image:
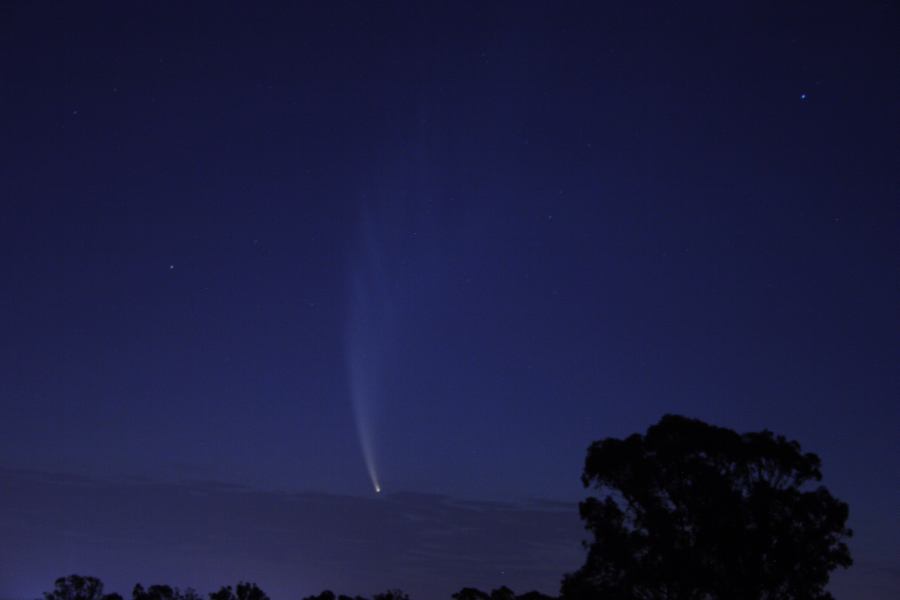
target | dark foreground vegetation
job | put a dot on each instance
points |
(687, 511)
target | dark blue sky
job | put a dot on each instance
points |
(528, 226)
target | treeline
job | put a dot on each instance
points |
(687, 510)
(501, 593)
(78, 587)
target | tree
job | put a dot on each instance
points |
(329, 595)
(78, 587)
(154, 592)
(163, 592)
(691, 511)
(469, 593)
(534, 595)
(503, 593)
(325, 595)
(243, 591)
(392, 595)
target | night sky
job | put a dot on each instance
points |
(252, 253)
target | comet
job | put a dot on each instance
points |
(361, 384)
(370, 327)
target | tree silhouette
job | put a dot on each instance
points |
(154, 592)
(388, 595)
(690, 511)
(78, 587)
(243, 591)
(392, 595)
(534, 596)
(162, 592)
(469, 593)
(325, 595)
(501, 593)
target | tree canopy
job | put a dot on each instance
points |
(163, 592)
(78, 587)
(242, 591)
(690, 511)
